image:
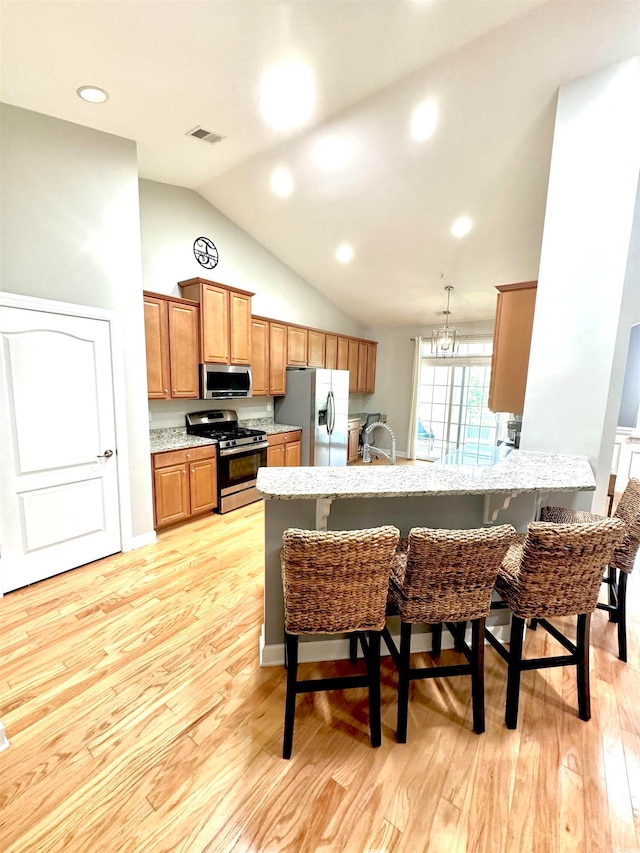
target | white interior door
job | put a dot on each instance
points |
(58, 482)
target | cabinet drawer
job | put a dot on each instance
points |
(180, 457)
(284, 437)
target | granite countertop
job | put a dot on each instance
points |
(176, 438)
(521, 471)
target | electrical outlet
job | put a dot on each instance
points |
(269, 407)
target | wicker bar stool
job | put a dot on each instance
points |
(621, 564)
(556, 571)
(336, 582)
(445, 577)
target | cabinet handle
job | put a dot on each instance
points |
(166, 390)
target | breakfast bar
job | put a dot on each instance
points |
(511, 490)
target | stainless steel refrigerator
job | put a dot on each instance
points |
(318, 401)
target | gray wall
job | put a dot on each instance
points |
(69, 221)
(628, 416)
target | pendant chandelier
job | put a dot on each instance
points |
(444, 341)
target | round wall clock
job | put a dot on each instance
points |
(205, 252)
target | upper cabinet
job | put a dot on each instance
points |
(297, 342)
(268, 357)
(511, 345)
(171, 334)
(225, 321)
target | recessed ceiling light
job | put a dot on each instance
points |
(287, 95)
(281, 181)
(92, 94)
(461, 226)
(344, 253)
(332, 153)
(423, 120)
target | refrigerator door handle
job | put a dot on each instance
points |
(331, 413)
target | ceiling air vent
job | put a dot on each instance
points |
(206, 135)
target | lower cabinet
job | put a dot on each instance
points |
(353, 439)
(184, 483)
(284, 449)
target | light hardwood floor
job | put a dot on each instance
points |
(140, 721)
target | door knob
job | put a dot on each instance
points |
(106, 455)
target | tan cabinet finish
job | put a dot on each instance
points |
(343, 354)
(225, 320)
(284, 449)
(297, 341)
(184, 483)
(171, 334)
(268, 357)
(511, 345)
(370, 382)
(331, 351)
(353, 438)
(316, 348)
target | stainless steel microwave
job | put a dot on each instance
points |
(224, 381)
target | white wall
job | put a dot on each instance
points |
(69, 223)
(171, 218)
(588, 291)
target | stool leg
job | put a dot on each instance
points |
(458, 639)
(622, 616)
(582, 643)
(477, 674)
(403, 681)
(514, 670)
(373, 671)
(613, 592)
(436, 639)
(291, 641)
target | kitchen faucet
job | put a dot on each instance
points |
(367, 448)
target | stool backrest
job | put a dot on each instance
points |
(450, 574)
(336, 581)
(629, 511)
(561, 567)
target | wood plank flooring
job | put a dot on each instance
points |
(140, 721)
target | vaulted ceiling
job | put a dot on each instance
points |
(491, 68)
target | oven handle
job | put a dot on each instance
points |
(245, 448)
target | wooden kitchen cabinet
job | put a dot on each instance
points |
(171, 336)
(225, 321)
(511, 345)
(372, 354)
(353, 439)
(297, 342)
(331, 351)
(268, 357)
(184, 483)
(316, 342)
(342, 362)
(284, 449)
(361, 364)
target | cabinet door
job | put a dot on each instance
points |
(370, 384)
(363, 349)
(511, 344)
(214, 305)
(277, 359)
(316, 344)
(354, 346)
(260, 357)
(183, 349)
(297, 346)
(343, 354)
(352, 446)
(171, 493)
(275, 456)
(331, 351)
(156, 331)
(239, 328)
(202, 485)
(292, 453)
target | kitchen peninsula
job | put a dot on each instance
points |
(430, 495)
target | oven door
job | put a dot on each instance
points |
(237, 472)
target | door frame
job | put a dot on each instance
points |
(50, 306)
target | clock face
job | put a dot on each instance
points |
(205, 253)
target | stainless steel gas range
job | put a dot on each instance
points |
(241, 452)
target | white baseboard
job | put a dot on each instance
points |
(338, 649)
